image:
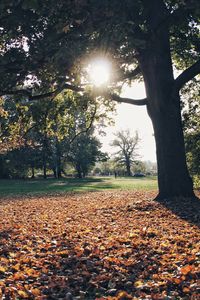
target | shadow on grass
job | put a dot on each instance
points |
(50, 186)
(38, 186)
(9, 188)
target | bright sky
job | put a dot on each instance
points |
(128, 116)
(133, 118)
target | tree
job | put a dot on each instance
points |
(84, 152)
(127, 146)
(192, 142)
(19, 162)
(140, 167)
(191, 122)
(142, 44)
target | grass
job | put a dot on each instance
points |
(50, 186)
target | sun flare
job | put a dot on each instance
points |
(99, 72)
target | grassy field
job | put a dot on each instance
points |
(49, 186)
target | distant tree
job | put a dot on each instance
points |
(128, 146)
(84, 153)
(150, 167)
(21, 162)
(139, 167)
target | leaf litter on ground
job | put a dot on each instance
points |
(99, 245)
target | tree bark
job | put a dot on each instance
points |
(164, 111)
(78, 169)
(173, 176)
(32, 171)
(58, 154)
(54, 173)
(128, 167)
(164, 108)
(44, 158)
(44, 166)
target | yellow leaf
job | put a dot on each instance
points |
(23, 294)
(35, 292)
(2, 269)
(138, 284)
(124, 295)
(31, 272)
(12, 254)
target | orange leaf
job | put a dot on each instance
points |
(18, 276)
(35, 292)
(16, 267)
(186, 269)
(186, 289)
(177, 280)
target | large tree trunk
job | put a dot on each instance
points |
(173, 176)
(164, 108)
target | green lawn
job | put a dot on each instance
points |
(49, 186)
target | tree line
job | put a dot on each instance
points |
(49, 135)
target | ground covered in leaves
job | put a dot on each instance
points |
(103, 245)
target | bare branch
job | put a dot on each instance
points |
(138, 102)
(186, 76)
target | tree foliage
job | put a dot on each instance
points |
(84, 152)
(40, 134)
(191, 122)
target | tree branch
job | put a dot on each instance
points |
(177, 15)
(16, 92)
(131, 74)
(139, 102)
(186, 76)
(28, 92)
(87, 128)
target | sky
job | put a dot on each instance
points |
(133, 118)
